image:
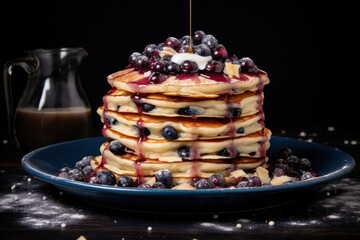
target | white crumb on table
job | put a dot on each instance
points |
(331, 128)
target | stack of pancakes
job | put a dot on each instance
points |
(193, 124)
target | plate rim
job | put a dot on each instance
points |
(28, 165)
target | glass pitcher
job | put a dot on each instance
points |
(53, 106)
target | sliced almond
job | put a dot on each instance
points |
(167, 51)
(280, 180)
(151, 181)
(263, 174)
(184, 186)
(232, 69)
(238, 173)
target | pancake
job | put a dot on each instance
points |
(183, 172)
(184, 128)
(252, 145)
(164, 105)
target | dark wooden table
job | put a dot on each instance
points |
(32, 209)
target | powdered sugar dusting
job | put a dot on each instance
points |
(35, 211)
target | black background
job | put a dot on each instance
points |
(308, 48)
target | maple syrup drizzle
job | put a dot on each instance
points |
(190, 26)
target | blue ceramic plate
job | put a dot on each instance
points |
(330, 163)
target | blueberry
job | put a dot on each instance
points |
(278, 171)
(185, 40)
(217, 181)
(95, 180)
(233, 59)
(285, 152)
(87, 171)
(187, 111)
(157, 77)
(116, 147)
(293, 162)
(202, 50)
(75, 174)
(184, 49)
(202, 184)
(146, 107)
(235, 112)
(64, 169)
(159, 185)
(111, 121)
(160, 46)
(247, 65)
(173, 43)
(169, 133)
(141, 62)
(149, 49)
(146, 131)
(224, 152)
(240, 130)
(189, 66)
(243, 183)
(132, 58)
(214, 66)
(254, 181)
(305, 164)
(106, 177)
(125, 181)
(184, 151)
(305, 175)
(220, 52)
(85, 161)
(159, 66)
(144, 185)
(164, 176)
(280, 161)
(173, 68)
(64, 175)
(210, 41)
(198, 36)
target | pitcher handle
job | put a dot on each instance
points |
(28, 64)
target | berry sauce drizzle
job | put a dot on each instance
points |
(260, 101)
(137, 98)
(106, 125)
(232, 130)
(217, 77)
(194, 154)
